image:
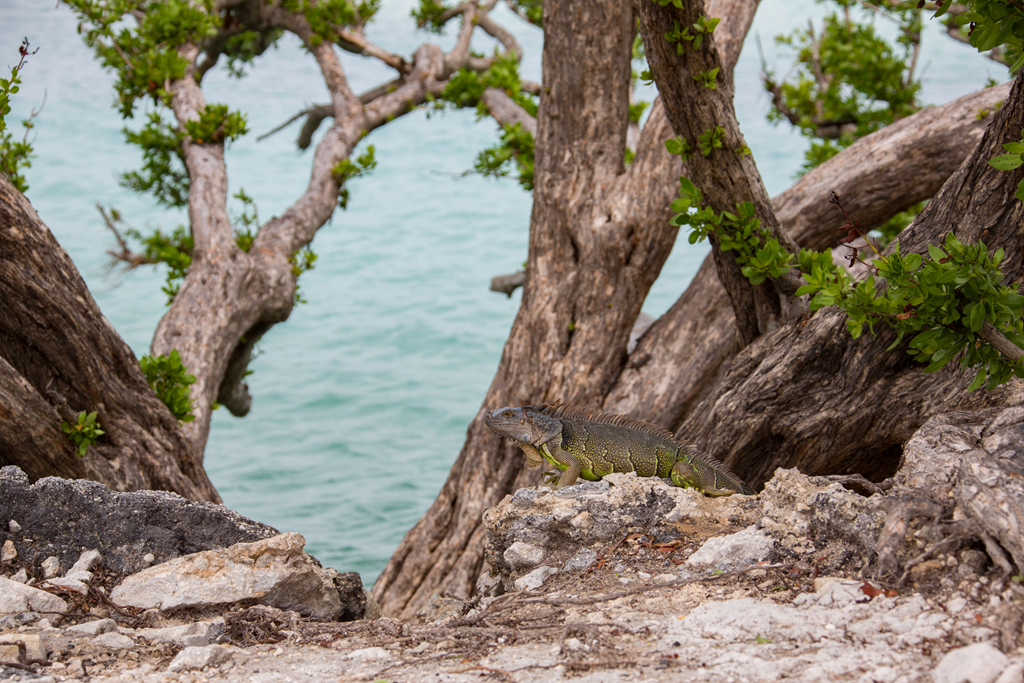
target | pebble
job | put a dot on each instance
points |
(93, 628)
(194, 658)
(978, 663)
(8, 552)
(50, 567)
(13, 526)
(113, 640)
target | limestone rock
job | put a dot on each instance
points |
(540, 527)
(64, 516)
(8, 552)
(580, 561)
(734, 551)
(990, 481)
(369, 654)
(372, 610)
(440, 609)
(931, 459)
(34, 648)
(196, 634)
(810, 514)
(194, 658)
(978, 663)
(50, 567)
(272, 572)
(16, 598)
(113, 640)
(93, 628)
(535, 579)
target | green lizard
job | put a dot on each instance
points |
(591, 445)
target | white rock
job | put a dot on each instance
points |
(520, 555)
(113, 640)
(13, 526)
(534, 579)
(583, 558)
(8, 552)
(76, 668)
(198, 634)
(273, 571)
(87, 561)
(21, 576)
(369, 654)
(955, 605)
(34, 648)
(71, 584)
(978, 663)
(193, 658)
(51, 567)
(16, 598)
(93, 628)
(741, 549)
(1012, 674)
(79, 575)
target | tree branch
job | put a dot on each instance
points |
(506, 112)
(724, 176)
(358, 44)
(131, 258)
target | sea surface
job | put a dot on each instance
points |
(362, 398)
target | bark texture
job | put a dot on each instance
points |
(60, 356)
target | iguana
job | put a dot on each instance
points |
(591, 445)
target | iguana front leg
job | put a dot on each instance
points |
(553, 452)
(533, 456)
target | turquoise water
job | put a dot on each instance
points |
(362, 398)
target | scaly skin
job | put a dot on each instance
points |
(593, 445)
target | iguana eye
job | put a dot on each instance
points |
(508, 413)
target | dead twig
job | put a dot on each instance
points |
(480, 667)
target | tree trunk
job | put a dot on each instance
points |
(687, 350)
(59, 356)
(809, 396)
(595, 273)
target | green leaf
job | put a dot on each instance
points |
(1006, 162)
(979, 379)
(977, 316)
(1014, 147)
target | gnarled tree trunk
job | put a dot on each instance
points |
(810, 396)
(569, 339)
(60, 356)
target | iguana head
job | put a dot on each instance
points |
(523, 425)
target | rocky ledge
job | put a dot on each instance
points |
(628, 578)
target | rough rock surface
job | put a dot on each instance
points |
(535, 527)
(16, 598)
(59, 517)
(274, 572)
(990, 482)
